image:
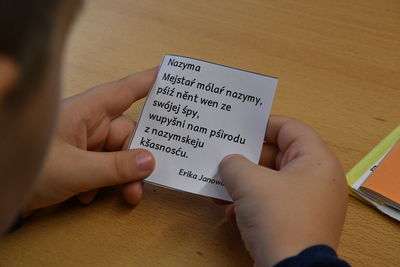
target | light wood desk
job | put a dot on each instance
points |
(338, 64)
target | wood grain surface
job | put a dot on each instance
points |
(339, 68)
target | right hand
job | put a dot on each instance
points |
(297, 200)
(89, 149)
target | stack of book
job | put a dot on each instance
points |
(376, 178)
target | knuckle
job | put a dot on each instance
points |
(124, 168)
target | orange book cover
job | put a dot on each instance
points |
(385, 180)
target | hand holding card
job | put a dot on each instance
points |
(197, 113)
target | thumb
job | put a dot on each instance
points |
(237, 173)
(99, 169)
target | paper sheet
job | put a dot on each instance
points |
(385, 180)
(198, 112)
(363, 166)
(395, 214)
(362, 170)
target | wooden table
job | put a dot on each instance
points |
(338, 64)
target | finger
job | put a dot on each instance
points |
(237, 173)
(119, 135)
(278, 162)
(90, 170)
(284, 131)
(230, 213)
(268, 155)
(133, 192)
(118, 96)
(87, 197)
(275, 123)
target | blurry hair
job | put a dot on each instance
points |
(26, 28)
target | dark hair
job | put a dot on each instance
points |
(25, 34)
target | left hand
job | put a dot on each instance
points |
(296, 201)
(85, 152)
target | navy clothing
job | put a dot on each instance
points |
(315, 256)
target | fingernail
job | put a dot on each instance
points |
(144, 161)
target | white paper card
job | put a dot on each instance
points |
(198, 112)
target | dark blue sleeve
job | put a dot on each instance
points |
(315, 256)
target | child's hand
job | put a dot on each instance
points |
(85, 152)
(297, 201)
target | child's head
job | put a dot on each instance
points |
(32, 35)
